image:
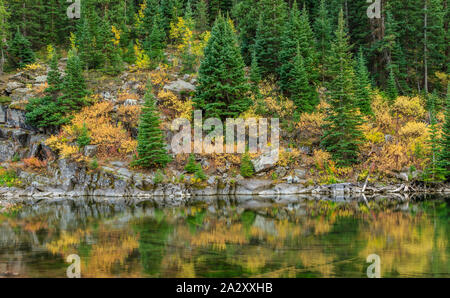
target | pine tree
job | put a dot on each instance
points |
(222, 87)
(4, 27)
(201, 19)
(322, 29)
(151, 148)
(20, 51)
(245, 13)
(362, 85)
(191, 165)
(155, 43)
(45, 112)
(391, 89)
(304, 94)
(189, 15)
(255, 75)
(444, 156)
(74, 88)
(268, 35)
(247, 169)
(289, 45)
(342, 132)
(83, 138)
(307, 42)
(216, 6)
(433, 172)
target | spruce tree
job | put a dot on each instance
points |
(201, 16)
(191, 165)
(342, 133)
(245, 13)
(391, 88)
(322, 29)
(74, 90)
(4, 28)
(433, 172)
(151, 150)
(304, 94)
(362, 85)
(268, 35)
(247, 169)
(45, 112)
(307, 42)
(444, 156)
(20, 51)
(222, 87)
(289, 42)
(255, 75)
(155, 43)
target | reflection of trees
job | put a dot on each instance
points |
(407, 245)
(309, 238)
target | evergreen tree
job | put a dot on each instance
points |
(20, 51)
(216, 6)
(391, 90)
(444, 156)
(322, 29)
(45, 112)
(268, 35)
(222, 87)
(247, 169)
(342, 132)
(307, 42)
(433, 172)
(74, 90)
(111, 49)
(290, 40)
(255, 75)
(83, 138)
(362, 85)
(304, 94)
(155, 43)
(151, 148)
(191, 165)
(245, 13)
(201, 19)
(4, 27)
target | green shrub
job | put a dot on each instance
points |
(191, 166)
(159, 177)
(247, 169)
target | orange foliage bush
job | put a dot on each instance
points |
(129, 115)
(34, 163)
(111, 138)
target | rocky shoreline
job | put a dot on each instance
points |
(70, 179)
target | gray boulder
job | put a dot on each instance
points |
(266, 161)
(179, 86)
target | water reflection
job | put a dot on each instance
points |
(227, 237)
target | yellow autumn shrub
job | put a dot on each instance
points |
(181, 109)
(129, 115)
(413, 129)
(409, 107)
(288, 157)
(110, 137)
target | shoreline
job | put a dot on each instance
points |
(263, 189)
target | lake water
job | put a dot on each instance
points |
(227, 237)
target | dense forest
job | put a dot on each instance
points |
(364, 95)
